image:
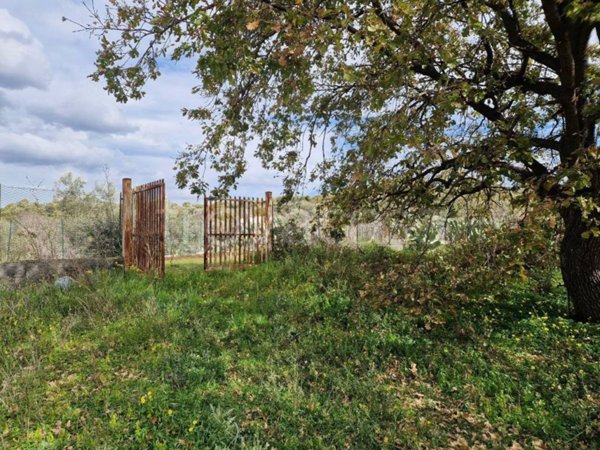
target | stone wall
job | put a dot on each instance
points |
(16, 273)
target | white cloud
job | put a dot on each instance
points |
(73, 125)
(22, 59)
(57, 148)
(77, 106)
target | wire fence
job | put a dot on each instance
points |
(38, 223)
(301, 220)
(68, 223)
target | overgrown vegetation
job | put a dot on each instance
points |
(298, 353)
(386, 106)
(65, 222)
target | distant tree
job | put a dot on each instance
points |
(424, 101)
(105, 192)
(69, 192)
(97, 228)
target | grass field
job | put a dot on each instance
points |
(283, 356)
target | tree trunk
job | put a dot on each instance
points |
(580, 266)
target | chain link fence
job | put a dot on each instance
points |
(40, 224)
(300, 220)
(67, 222)
(184, 229)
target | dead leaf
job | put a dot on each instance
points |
(460, 443)
(252, 25)
(413, 369)
(57, 429)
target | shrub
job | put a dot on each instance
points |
(104, 237)
(288, 237)
(485, 262)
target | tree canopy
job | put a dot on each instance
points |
(434, 99)
(403, 103)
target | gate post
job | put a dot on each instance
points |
(205, 234)
(268, 222)
(127, 223)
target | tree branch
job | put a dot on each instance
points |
(517, 41)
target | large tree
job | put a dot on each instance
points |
(406, 103)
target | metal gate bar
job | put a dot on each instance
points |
(143, 225)
(237, 231)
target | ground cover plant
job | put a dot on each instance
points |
(295, 353)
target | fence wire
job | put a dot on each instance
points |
(43, 224)
(184, 229)
(38, 223)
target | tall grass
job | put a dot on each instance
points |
(291, 354)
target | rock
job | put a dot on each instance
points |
(17, 273)
(64, 283)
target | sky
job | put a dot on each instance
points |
(54, 120)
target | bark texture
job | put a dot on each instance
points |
(580, 266)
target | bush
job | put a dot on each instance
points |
(288, 238)
(104, 237)
(481, 264)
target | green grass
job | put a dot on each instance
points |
(284, 356)
(185, 261)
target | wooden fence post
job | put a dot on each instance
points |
(205, 232)
(268, 222)
(127, 223)
(163, 231)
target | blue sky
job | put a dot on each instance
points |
(53, 119)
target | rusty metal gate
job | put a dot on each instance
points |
(237, 231)
(143, 226)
